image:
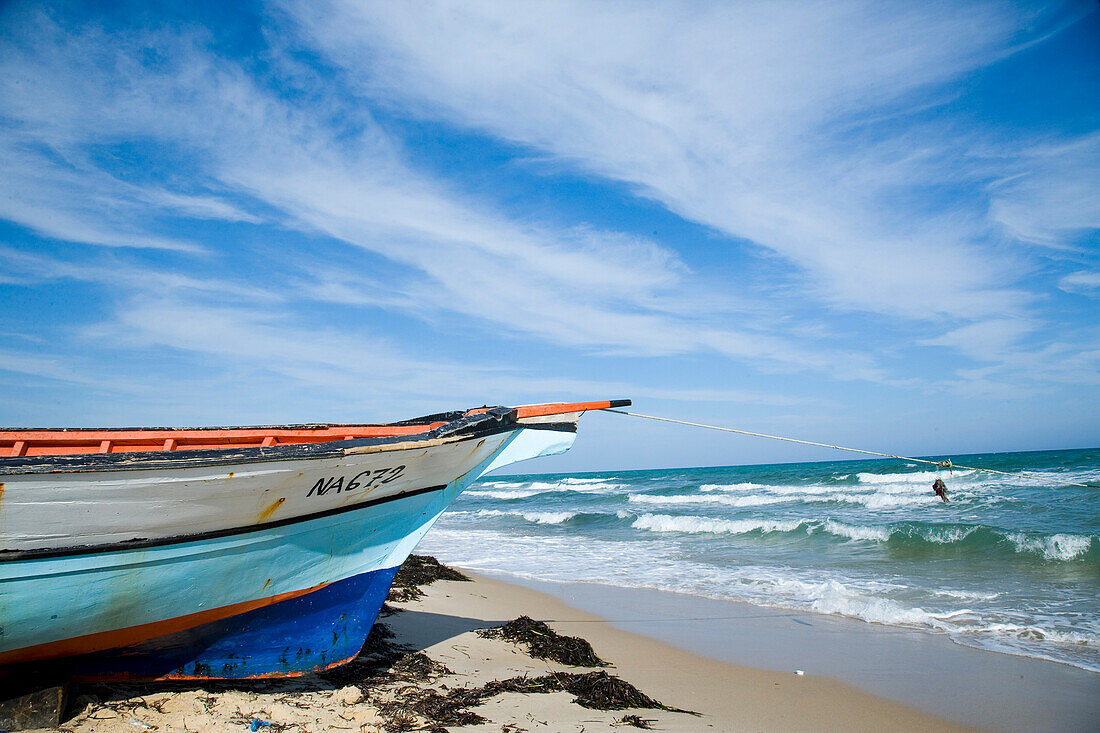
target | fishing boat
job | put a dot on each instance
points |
(230, 553)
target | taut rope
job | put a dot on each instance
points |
(939, 464)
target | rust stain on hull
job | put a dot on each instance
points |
(266, 513)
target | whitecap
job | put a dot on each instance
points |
(695, 525)
(1053, 547)
(750, 500)
(915, 477)
(519, 494)
(534, 517)
(879, 534)
(732, 487)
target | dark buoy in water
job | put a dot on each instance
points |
(940, 488)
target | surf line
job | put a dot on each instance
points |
(939, 464)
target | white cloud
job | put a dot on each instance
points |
(56, 367)
(362, 366)
(990, 340)
(788, 124)
(1082, 282)
(76, 206)
(1054, 193)
(326, 167)
(126, 278)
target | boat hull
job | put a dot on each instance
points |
(311, 632)
(278, 598)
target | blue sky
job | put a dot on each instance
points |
(860, 222)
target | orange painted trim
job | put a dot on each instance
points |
(19, 443)
(121, 638)
(266, 676)
(551, 408)
(560, 409)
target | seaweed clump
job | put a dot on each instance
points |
(416, 571)
(592, 690)
(418, 666)
(595, 690)
(451, 708)
(602, 691)
(542, 642)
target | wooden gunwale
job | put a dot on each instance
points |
(33, 442)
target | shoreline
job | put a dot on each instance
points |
(968, 685)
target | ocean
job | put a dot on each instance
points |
(1009, 564)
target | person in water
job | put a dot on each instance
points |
(940, 488)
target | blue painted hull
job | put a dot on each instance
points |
(308, 633)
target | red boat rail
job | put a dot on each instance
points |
(26, 443)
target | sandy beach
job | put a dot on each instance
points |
(726, 696)
(430, 669)
(971, 686)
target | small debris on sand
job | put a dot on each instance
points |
(349, 695)
(544, 643)
(636, 721)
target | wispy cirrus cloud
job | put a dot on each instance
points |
(1054, 193)
(1082, 281)
(820, 132)
(343, 176)
(790, 125)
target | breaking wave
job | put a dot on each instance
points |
(513, 494)
(526, 489)
(667, 523)
(723, 500)
(533, 517)
(904, 537)
(914, 477)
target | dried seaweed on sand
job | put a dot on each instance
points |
(419, 570)
(542, 642)
(593, 690)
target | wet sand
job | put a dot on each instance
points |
(972, 686)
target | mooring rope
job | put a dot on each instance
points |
(939, 464)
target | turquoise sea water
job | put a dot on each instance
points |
(1009, 564)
